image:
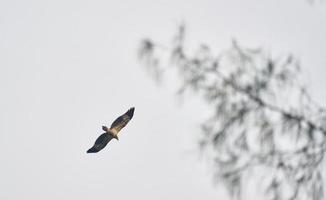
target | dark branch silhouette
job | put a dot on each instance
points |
(264, 118)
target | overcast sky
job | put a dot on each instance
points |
(67, 67)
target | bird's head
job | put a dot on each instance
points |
(104, 128)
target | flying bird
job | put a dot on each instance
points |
(111, 133)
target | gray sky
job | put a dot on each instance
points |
(68, 67)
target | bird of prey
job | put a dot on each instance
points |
(111, 133)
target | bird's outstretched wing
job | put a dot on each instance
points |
(122, 121)
(100, 143)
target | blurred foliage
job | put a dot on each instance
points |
(263, 117)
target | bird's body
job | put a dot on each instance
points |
(111, 132)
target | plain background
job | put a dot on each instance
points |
(69, 67)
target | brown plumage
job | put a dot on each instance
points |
(111, 133)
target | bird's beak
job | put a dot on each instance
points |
(117, 138)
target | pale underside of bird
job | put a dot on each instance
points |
(112, 132)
